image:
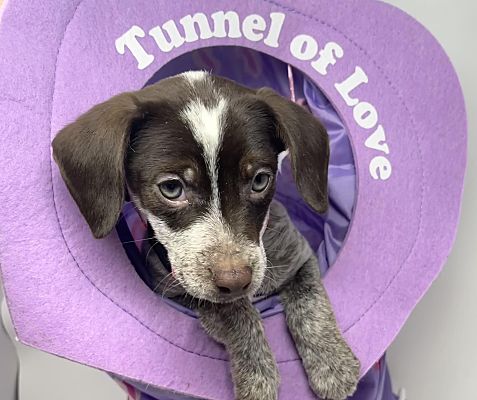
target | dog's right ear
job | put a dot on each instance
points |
(90, 153)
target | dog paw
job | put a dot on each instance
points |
(259, 385)
(335, 378)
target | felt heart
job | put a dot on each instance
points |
(388, 79)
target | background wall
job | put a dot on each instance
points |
(433, 357)
(8, 362)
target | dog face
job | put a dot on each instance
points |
(199, 156)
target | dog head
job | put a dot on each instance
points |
(199, 156)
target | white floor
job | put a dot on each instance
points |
(46, 377)
(434, 356)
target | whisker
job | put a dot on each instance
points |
(121, 217)
(172, 287)
(139, 240)
(271, 279)
(162, 280)
(126, 214)
(149, 251)
(273, 251)
(192, 300)
(276, 266)
(272, 266)
(274, 230)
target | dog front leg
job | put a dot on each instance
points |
(332, 368)
(239, 327)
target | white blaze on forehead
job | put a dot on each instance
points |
(194, 76)
(206, 123)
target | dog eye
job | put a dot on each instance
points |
(260, 182)
(172, 189)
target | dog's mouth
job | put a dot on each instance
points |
(199, 278)
(210, 292)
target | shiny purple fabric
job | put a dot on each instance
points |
(375, 385)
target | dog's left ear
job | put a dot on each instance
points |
(307, 142)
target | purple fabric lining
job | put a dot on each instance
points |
(375, 385)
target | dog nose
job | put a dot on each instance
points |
(232, 279)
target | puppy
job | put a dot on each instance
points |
(198, 154)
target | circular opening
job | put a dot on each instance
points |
(325, 233)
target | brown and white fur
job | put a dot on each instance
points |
(199, 156)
